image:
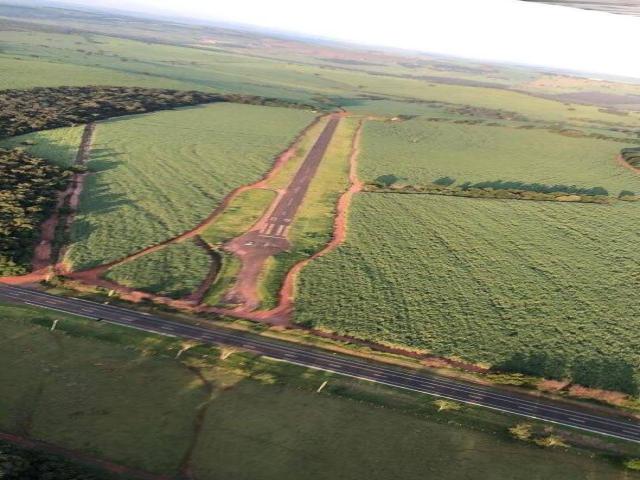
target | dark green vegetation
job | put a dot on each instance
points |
(632, 156)
(24, 111)
(123, 395)
(487, 281)
(498, 189)
(28, 188)
(21, 464)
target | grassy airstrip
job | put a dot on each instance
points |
(159, 175)
(122, 395)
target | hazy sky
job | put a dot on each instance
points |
(504, 30)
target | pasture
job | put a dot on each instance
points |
(122, 395)
(420, 152)
(482, 280)
(159, 175)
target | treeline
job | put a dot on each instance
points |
(500, 189)
(631, 156)
(21, 464)
(603, 373)
(28, 187)
(44, 108)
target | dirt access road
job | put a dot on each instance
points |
(269, 234)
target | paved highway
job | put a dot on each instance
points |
(498, 399)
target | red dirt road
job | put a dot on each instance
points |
(42, 263)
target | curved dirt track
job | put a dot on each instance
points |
(622, 162)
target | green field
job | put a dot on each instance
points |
(121, 395)
(175, 270)
(59, 146)
(482, 279)
(161, 174)
(419, 151)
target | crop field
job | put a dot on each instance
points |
(482, 279)
(122, 395)
(59, 146)
(174, 271)
(419, 151)
(161, 174)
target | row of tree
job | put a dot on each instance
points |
(44, 108)
(28, 187)
(596, 372)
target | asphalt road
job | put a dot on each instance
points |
(497, 399)
(286, 208)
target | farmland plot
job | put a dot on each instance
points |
(482, 279)
(175, 270)
(419, 151)
(161, 174)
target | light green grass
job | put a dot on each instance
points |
(243, 211)
(59, 146)
(482, 279)
(421, 152)
(174, 271)
(312, 226)
(121, 395)
(160, 174)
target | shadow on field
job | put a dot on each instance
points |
(587, 370)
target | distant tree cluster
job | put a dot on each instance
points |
(20, 464)
(28, 187)
(24, 111)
